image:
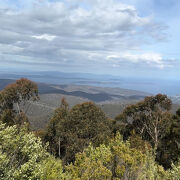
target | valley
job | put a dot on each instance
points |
(111, 100)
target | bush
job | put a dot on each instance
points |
(21, 154)
(115, 161)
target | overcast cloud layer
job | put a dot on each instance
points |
(103, 35)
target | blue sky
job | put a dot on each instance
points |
(138, 38)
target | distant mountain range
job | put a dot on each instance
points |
(90, 93)
(152, 86)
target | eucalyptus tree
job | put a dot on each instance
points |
(13, 99)
(149, 118)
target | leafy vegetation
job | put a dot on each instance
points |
(141, 143)
(70, 131)
(20, 154)
(13, 97)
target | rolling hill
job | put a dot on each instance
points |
(111, 100)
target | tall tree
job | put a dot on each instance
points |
(169, 150)
(72, 130)
(149, 118)
(54, 132)
(13, 98)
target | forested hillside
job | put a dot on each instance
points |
(81, 142)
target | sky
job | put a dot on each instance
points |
(134, 38)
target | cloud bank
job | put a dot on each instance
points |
(77, 34)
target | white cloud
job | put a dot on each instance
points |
(44, 36)
(93, 31)
(153, 59)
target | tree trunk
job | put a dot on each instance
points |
(114, 168)
(18, 108)
(156, 139)
(59, 147)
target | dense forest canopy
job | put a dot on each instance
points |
(142, 142)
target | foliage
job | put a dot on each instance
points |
(55, 131)
(149, 118)
(174, 173)
(70, 132)
(89, 122)
(13, 97)
(87, 139)
(114, 161)
(91, 164)
(53, 170)
(20, 91)
(20, 154)
(169, 149)
(139, 144)
(23, 157)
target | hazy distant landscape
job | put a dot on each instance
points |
(151, 86)
(111, 100)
